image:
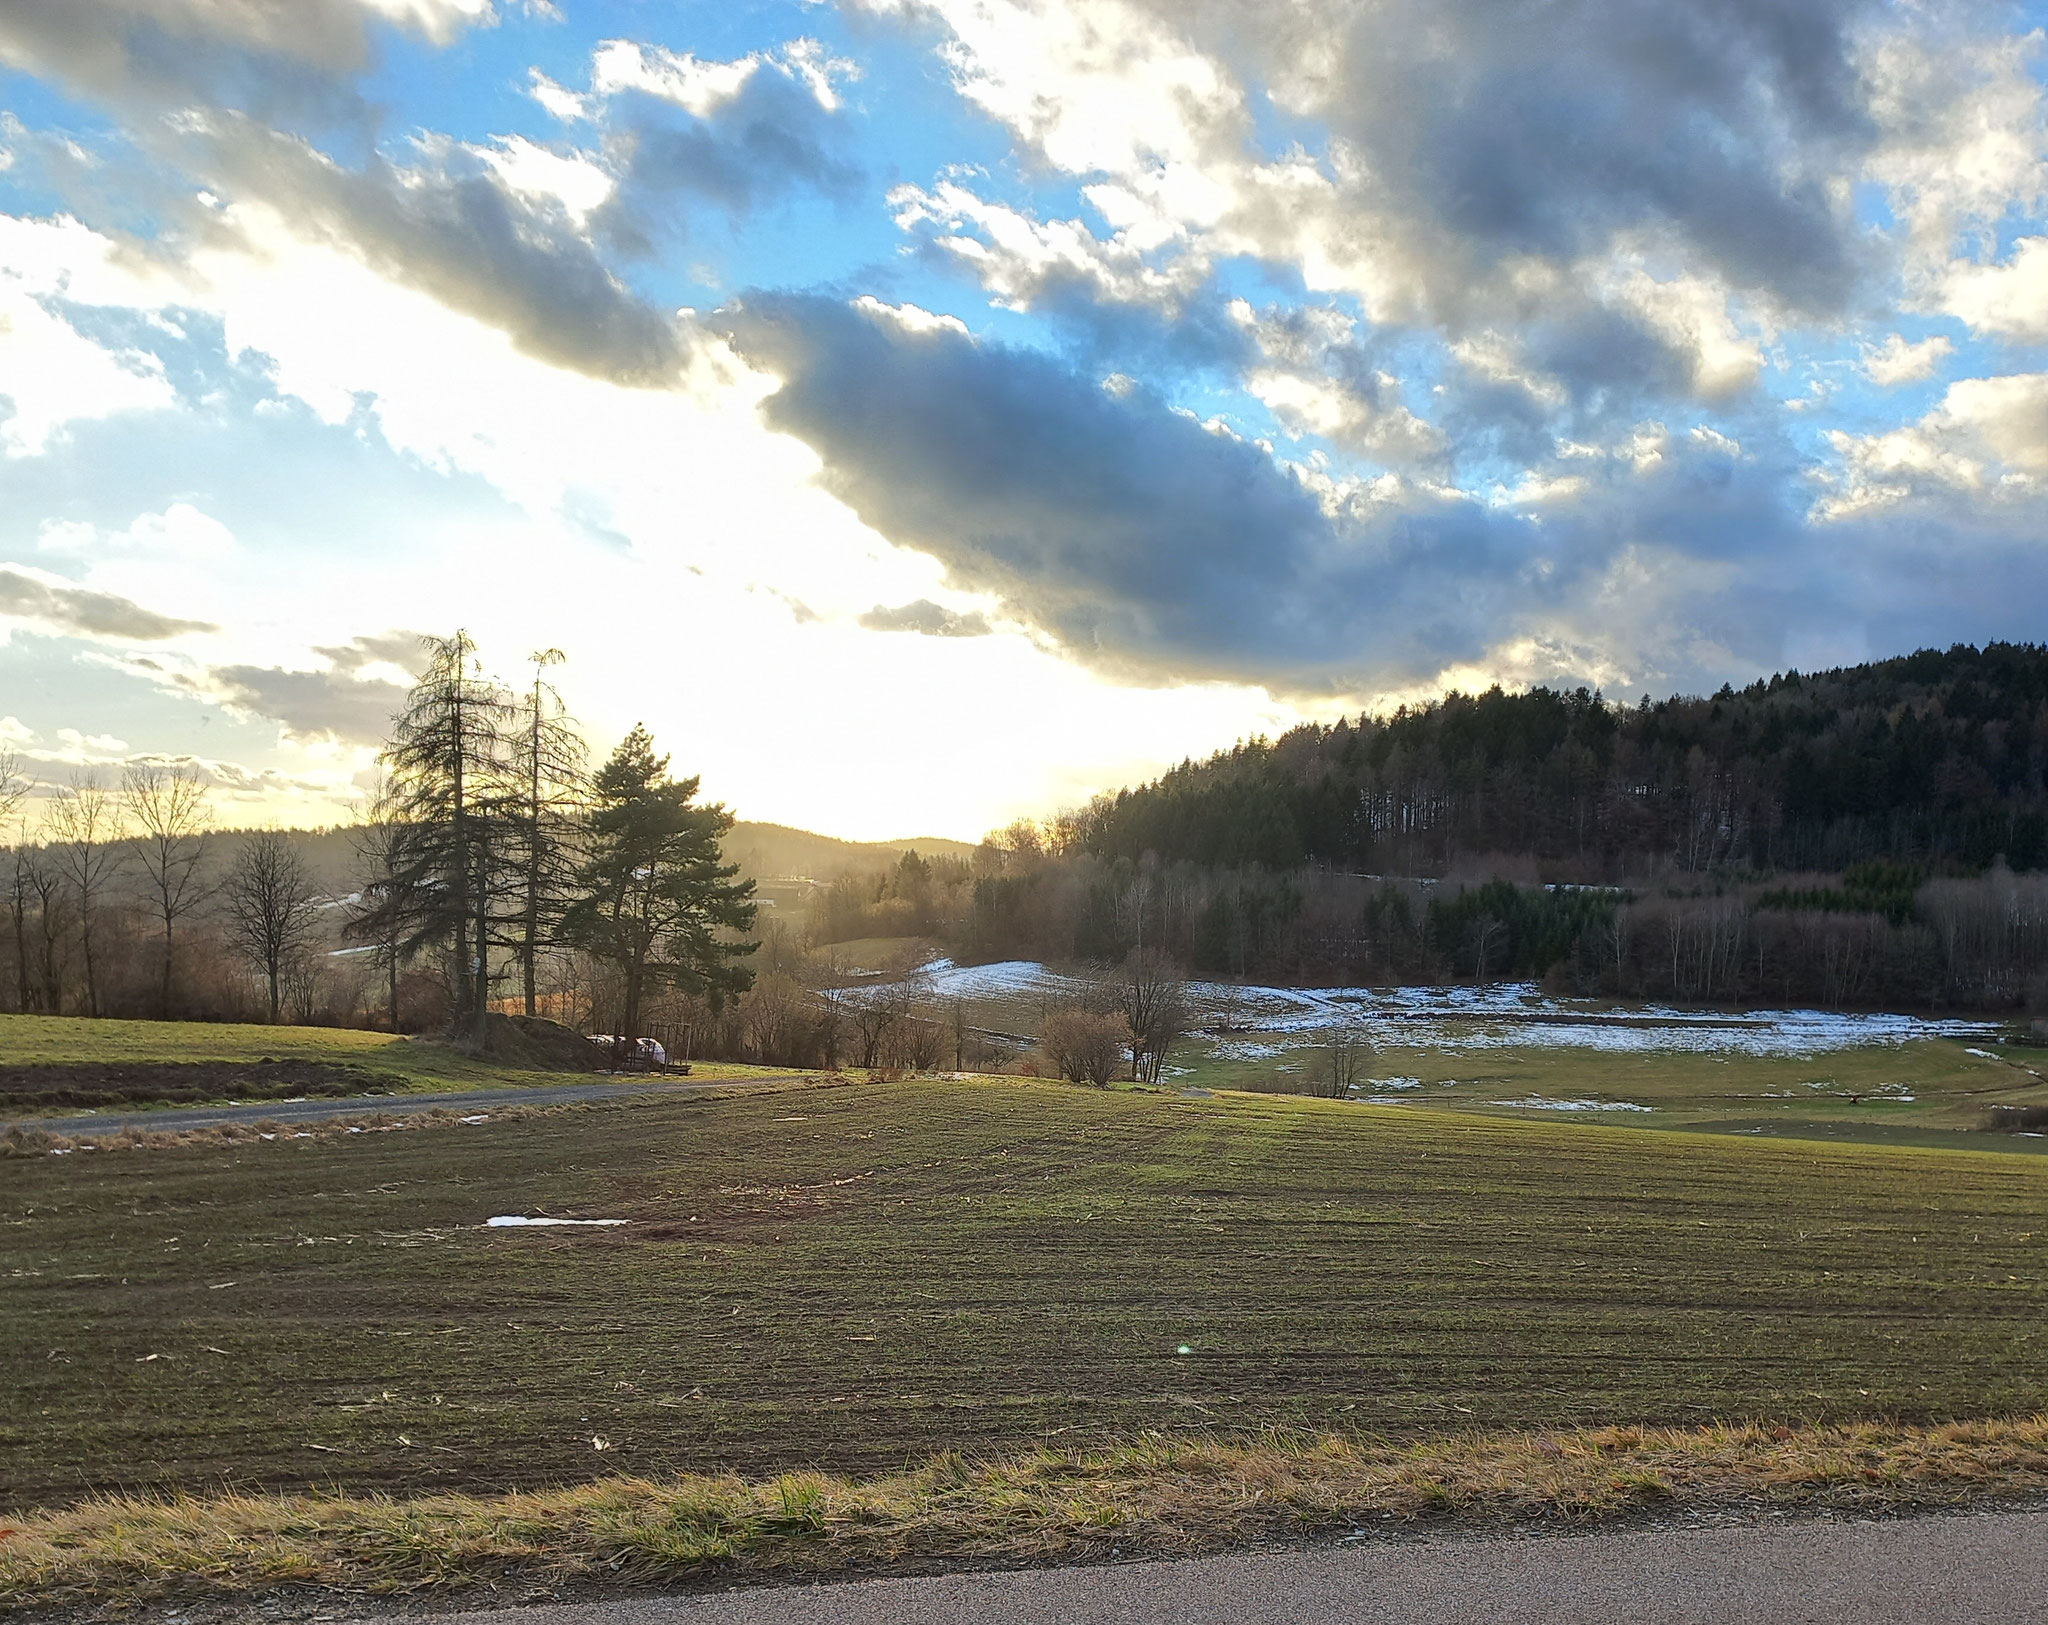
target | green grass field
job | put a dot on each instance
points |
(1933, 1093)
(854, 1277)
(400, 1066)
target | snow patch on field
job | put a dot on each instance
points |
(1249, 1022)
(516, 1221)
(1537, 1103)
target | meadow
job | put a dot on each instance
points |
(151, 1063)
(855, 1276)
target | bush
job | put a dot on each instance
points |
(1087, 1046)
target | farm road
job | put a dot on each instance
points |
(113, 1120)
(1916, 1571)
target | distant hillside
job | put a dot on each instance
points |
(1937, 757)
(763, 852)
(770, 851)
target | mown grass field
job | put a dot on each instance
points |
(854, 1277)
(1926, 1093)
(395, 1065)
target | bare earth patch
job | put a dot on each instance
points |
(134, 1083)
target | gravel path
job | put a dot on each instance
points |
(1917, 1571)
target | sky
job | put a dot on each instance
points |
(922, 413)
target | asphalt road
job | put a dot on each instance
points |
(1921, 1571)
(314, 1111)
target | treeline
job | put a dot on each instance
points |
(1938, 757)
(491, 857)
(123, 900)
(1881, 933)
(490, 873)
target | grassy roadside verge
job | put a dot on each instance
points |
(1157, 1495)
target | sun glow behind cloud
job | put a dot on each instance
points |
(1276, 370)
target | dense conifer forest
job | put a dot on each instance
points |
(1935, 758)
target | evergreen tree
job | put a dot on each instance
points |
(654, 899)
(451, 788)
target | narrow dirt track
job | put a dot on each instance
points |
(1919, 1571)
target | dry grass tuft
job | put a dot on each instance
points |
(1154, 1494)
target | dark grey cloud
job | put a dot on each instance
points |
(78, 612)
(450, 227)
(771, 141)
(1491, 131)
(1135, 536)
(405, 650)
(930, 620)
(1150, 546)
(447, 225)
(253, 80)
(309, 703)
(272, 58)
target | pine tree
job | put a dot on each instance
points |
(450, 785)
(654, 899)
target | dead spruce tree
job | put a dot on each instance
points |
(546, 801)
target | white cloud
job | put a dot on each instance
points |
(697, 86)
(52, 374)
(2008, 301)
(1987, 440)
(181, 533)
(1896, 362)
(90, 747)
(573, 180)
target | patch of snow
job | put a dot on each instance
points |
(1983, 1054)
(479, 1118)
(1537, 1103)
(1006, 978)
(1252, 1022)
(1393, 1083)
(515, 1221)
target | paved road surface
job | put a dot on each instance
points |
(1924, 1571)
(313, 1111)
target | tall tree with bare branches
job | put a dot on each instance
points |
(167, 811)
(379, 836)
(550, 767)
(85, 832)
(271, 909)
(14, 788)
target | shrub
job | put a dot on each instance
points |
(1087, 1046)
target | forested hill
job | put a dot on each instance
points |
(1936, 757)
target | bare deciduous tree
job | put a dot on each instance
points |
(1340, 1062)
(1153, 996)
(167, 810)
(14, 785)
(85, 829)
(379, 835)
(270, 909)
(1087, 1046)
